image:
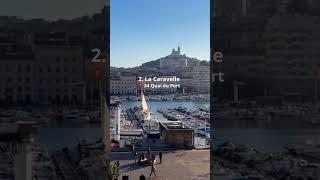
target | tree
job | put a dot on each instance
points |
(113, 172)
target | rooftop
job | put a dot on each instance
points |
(176, 125)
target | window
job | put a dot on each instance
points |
(49, 69)
(57, 59)
(74, 59)
(28, 80)
(57, 69)
(65, 59)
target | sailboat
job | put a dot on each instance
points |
(145, 109)
(149, 121)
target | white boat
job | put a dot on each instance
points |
(149, 121)
(174, 116)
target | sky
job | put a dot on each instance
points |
(50, 9)
(145, 30)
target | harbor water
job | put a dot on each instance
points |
(268, 140)
(66, 134)
(155, 105)
(271, 140)
(263, 139)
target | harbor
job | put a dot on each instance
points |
(68, 143)
(78, 148)
(136, 122)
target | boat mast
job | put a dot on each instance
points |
(145, 109)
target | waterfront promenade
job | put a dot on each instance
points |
(176, 165)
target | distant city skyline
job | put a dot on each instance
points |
(51, 10)
(145, 30)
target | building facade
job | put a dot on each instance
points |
(176, 134)
(123, 85)
(59, 73)
(17, 75)
(174, 61)
(271, 49)
(196, 79)
(201, 79)
(51, 70)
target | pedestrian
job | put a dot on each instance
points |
(135, 156)
(160, 157)
(142, 177)
(149, 150)
(154, 159)
(153, 170)
(117, 163)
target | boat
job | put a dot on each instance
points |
(77, 116)
(204, 131)
(174, 116)
(148, 120)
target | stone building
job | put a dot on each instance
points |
(123, 85)
(16, 80)
(174, 61)
(51, 70)
(176, 134)
(60, 69)
(201, 79)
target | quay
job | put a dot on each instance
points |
(176, 165)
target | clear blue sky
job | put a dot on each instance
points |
(144, 30)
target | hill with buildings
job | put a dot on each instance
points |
(175, 60)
